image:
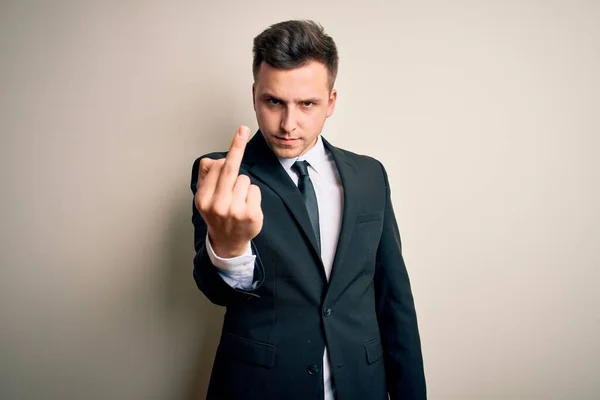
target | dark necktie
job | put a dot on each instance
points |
(310, 197)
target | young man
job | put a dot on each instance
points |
(298, 239)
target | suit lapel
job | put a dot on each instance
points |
(264, 166)
(348, 176)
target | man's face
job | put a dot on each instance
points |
(292, 105)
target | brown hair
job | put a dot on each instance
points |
(291, 44)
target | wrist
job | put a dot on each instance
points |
(225, 249)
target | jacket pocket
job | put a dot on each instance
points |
(374, 350)
(248, 350)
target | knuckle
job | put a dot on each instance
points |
(205, 165)
(238, 214)
(205, 205)
(219, 210)
(198, 198)
(202, 205)
(198, 203)
(255, 216)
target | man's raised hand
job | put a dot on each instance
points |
(228, 202)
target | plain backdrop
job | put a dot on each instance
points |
(485, 114)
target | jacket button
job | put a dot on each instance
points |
(326, 311)
(313, 369)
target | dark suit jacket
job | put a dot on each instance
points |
(274, 336)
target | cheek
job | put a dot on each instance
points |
(317, 118)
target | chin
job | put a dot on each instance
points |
(285, 153)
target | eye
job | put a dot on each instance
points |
(307, 103)
(274, 102)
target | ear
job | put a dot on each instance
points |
(253, 96)
(331, 102)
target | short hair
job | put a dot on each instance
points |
(292, 44)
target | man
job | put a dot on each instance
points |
(298, 239)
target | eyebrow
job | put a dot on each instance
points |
(267, 96)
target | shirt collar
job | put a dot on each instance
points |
(316, 157)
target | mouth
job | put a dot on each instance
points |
(285, 140)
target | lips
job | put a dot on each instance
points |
(285, 140)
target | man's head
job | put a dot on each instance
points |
(295, 66)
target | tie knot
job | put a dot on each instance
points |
(301, 168)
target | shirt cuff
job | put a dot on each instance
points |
(235, 265)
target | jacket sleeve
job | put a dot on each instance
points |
(396, 313)
(206, 273)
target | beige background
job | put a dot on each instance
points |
(485, 114)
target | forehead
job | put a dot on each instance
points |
(311, 79)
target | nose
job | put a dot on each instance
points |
(288, 121)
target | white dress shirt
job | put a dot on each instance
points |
(238, 272)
